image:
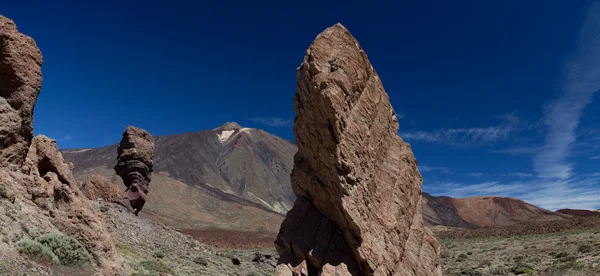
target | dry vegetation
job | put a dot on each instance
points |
(562, 253)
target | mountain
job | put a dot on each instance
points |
(213, 174)
(579, 213)
(483, 211)
(228, 176)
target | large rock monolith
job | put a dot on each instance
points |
(20, 84)
(358, 206)
(134, 165)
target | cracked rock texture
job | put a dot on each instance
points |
(134, 164)
(20, 84)
(358, 207)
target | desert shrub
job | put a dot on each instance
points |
(37, 250)
(254, 273)
(156, 266)
(485, 263)
(559, 255)
(518, 259)
(471, 272)
(521, 269)
(567, 259)
(6, 193)
(68, 250)
(103, 208)
(461, 257)
(158, 253)
(201, 261)
(498, 271)
(584, 248)
(469, 253)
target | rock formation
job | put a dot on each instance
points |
(358, 206)
(39, 185)
(134, 164)
(96, 187)
(20, 84)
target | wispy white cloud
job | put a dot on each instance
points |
(423, 168)
(467, 136)
(519, 151)
(594, 157)
(273, 121)
(562, 116)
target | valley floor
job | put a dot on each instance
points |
(562, 253)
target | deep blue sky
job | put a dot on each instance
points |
(496, 97)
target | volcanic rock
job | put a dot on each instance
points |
(358, 206)
(96, 187)
(134, 164)
(54, 190)
(20, 84)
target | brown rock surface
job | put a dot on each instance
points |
(20, 84)
(54, 191)
(134, 164)
(358, 210)
(488, 211)
(98, 187)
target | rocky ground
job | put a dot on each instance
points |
(561, 253)
(148, 248)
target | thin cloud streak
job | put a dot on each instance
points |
(273, 121)
(468, 136)
(563, 115)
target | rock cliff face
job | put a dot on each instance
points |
(37, 188)
(134, 165)
(20, 84)
(358, 207)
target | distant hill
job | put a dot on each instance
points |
(483, 211)
(579, 213)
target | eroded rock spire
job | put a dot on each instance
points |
(358, 206)
(134, 164)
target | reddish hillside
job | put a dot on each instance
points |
(489, 211)
(579, 213)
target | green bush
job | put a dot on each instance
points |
(36, 249)
(521, 269)
(158, 253)
(68, 250)
(461, 257)
(584, 248)
(201, 261)
(156, 266)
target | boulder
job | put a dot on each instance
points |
(358, 206)
(96, 187)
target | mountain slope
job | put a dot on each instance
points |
(243, 165)
(483, 211)
(579, 212)
(247, 171)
